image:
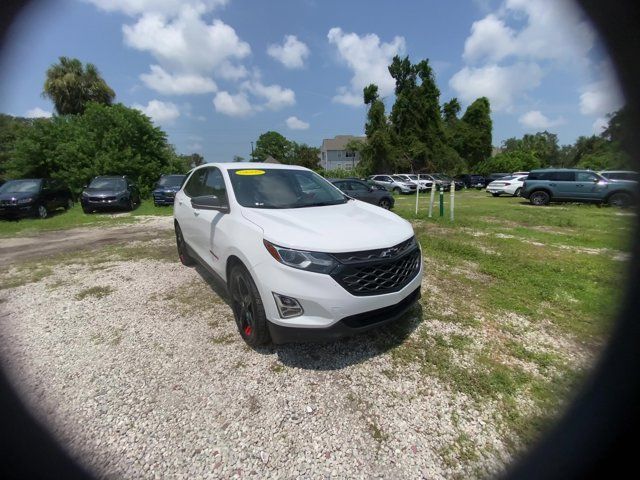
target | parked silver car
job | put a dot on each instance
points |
(424, 185)
(438, 182)
(393, 183)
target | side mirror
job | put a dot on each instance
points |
(210, 202)
(596, 180)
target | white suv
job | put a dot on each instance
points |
(301, 260)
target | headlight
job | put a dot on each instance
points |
(24, 201)
(309, 261)
(85, 194)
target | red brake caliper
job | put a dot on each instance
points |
(247, 330)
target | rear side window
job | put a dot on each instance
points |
(361, 187)
(563, 176)
(555, 176)
(586, 177)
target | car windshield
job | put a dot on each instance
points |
(21, 186)
(412, 177)
(398, 178)
(171, 181)
(108, 184)
(283, 188)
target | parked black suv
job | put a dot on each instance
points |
(471, 181)
(361, 191)
(166, 189)
(110, 192)
(33, 197)
(572, 185)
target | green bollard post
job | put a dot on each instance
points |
(441, 201)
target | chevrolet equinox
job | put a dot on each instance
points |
(301, 260)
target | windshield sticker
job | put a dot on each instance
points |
(250, 172)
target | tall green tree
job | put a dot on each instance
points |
(475, 144)
(71, 86)
(11, 129)
(272, 144)
(377, 153)
(544, 145)
(305, 156)
(105, 140)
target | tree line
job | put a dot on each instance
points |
(89, 136)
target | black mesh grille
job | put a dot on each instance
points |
(102, 199)
(376, 278)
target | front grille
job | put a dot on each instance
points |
(379, 277)
(377, 254)
(102, 199)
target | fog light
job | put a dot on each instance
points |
(288, 307)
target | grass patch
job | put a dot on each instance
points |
(95, 292)
(25, 275)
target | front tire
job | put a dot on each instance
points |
(42, 212)
(397, 191)
(539, 198)
(247, 307)
(69, 204)
(183, 252)
(131, 205)
(385, 203)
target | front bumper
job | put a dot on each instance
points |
(16, 211)
(346, 327)
(104, 203)
(163, 198)
(327, 305)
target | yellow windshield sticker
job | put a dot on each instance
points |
(250, 172)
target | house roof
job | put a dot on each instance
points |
(339, 142)
(270, 159)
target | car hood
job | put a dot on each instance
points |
(98, 192)
(17, 195)
(349, 227)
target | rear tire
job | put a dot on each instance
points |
(385, 203)
(539, 198)
(495, 194)
(131, 204)
(247, 307)
(620, 199)
(183, 251)
(517, 192)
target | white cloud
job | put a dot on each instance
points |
(233, 105)
(159, 112)
(276, 96)
(294, 123)
(554, 30)
(536, 120)
(368, 59)
(38, 112)
(179, 84)
(187, 43)
(600, 98)
(599, 125)
(502, 85)
(195, 147)
(292, 53)
(163, 7)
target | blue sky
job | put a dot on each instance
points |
(215, 74)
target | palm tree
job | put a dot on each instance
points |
(71, 85)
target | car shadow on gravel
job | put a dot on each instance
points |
(349, 351)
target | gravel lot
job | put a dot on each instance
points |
(136, 366)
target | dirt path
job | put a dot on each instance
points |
(32, 247)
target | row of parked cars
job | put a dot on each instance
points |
(37, 197)
(544, 186)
